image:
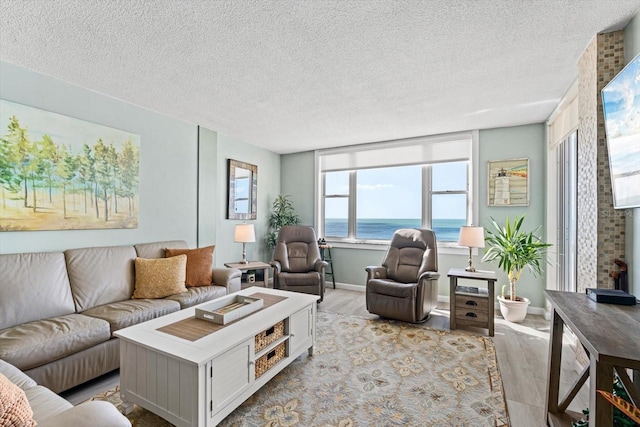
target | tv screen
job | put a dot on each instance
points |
(621, 103)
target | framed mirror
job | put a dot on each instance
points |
(242, 190)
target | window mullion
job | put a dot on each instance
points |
(426, 199)
(353, 186)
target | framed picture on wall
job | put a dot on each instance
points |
(62, 173)
(508, 182)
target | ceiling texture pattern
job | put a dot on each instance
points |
(296, 75)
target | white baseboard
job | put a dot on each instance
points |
(347, 286)
(441, 298)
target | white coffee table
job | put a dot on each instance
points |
(200, 382)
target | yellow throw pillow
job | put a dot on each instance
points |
(14, 406)
(161, 277)
(199, 264)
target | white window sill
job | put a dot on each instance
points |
(448, 248)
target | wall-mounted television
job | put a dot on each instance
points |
(621, 103)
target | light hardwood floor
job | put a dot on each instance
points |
(522, 351)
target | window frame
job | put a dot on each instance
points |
(427, 192)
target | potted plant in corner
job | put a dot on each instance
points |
(515, 250)
(282, 213)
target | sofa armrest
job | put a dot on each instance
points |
(230, 278)
(375, 272)
(94, 413)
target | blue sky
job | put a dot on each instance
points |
(394, 192)
(621, 98)
(622, 103)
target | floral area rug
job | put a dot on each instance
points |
(374, 373)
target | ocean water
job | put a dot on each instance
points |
(447, 230)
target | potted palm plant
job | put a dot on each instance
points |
(514, 249)
(283, 213)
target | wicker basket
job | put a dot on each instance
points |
(269, 336)
(266, 361)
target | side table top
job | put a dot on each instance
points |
(249, 266)
(478, 274)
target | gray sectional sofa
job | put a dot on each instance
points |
(59, 310)
(51, 410)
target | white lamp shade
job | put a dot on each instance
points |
(472, 237)
(244, 233)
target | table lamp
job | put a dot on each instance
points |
(244, 233)
(473, 237)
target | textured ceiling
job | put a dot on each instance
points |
(298, 75)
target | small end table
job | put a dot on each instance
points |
(325, 255)
(472, 306)
(252, 265)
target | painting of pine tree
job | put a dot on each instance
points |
(62, 173)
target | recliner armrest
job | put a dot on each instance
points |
(276, 266)
(376, 272)
(429, 275)
(320, 265)
(230, 278)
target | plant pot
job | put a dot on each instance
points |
(514, 311)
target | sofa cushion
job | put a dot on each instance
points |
(126, 313)
(45, 403)
(197, 295)
(36, 343)
(101, 275)
(157, 249)
(33, 286)
(158, 278)
(14, 406)
(199, 264)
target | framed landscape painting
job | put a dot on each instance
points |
(508, 183)
(61, 173)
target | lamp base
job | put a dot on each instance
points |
(471, 268)
(244, 254)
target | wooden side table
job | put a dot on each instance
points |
(472, 306)
(252, 265)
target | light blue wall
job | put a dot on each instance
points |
(297, 177)
(510, 143)
(632, 232)
(168, 160)
(209, 189)
(268, 188)
(183, 173)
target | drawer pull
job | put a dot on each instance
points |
(271, 354)
(471, 303)
(471, 315)
(270, 331)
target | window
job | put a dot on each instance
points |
(367, 192)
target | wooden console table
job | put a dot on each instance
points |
(609, 335)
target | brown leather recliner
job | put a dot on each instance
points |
(296, 263)
(405, 287)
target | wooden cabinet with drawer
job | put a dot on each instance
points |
(470, 305)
